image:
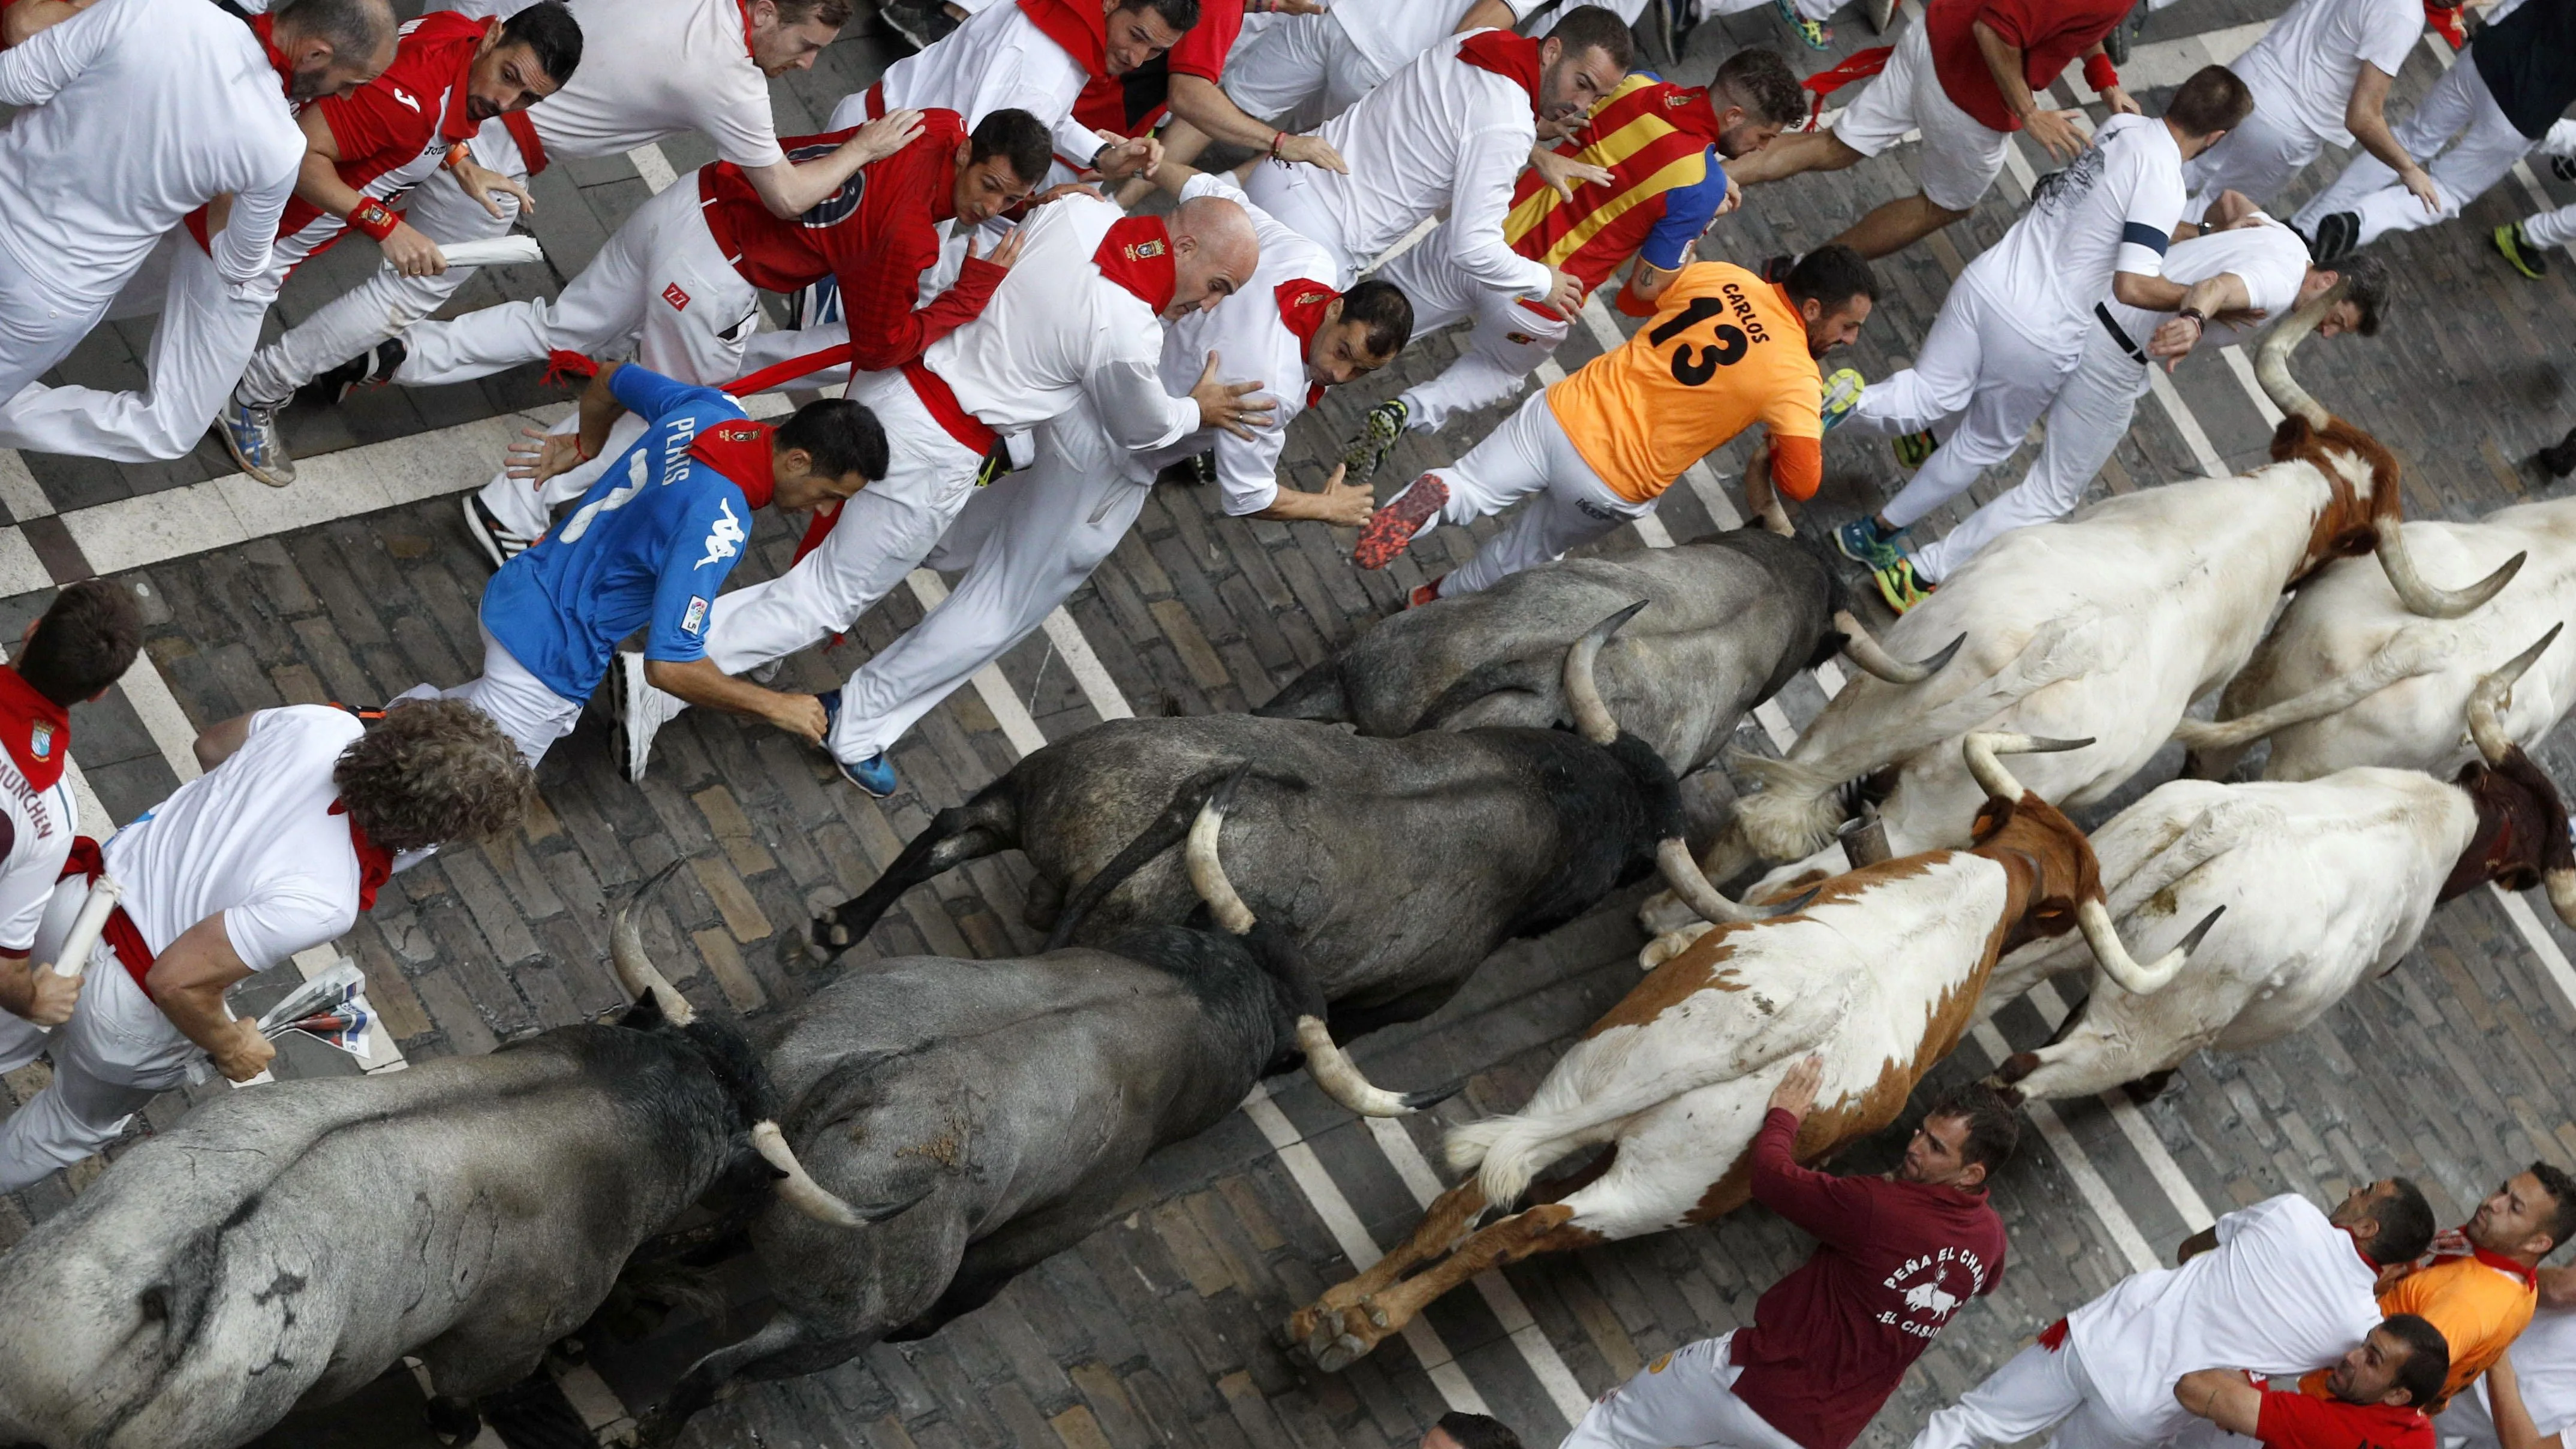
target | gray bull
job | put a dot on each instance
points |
(1396, 866)
(1727, 622)
(283, 1246)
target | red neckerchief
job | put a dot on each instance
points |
(375, 863)
(2367, 1261)
(740, 450)
(37, 731)
(1137, 255)
(264, 25)
(1689, 109)
(1301, 307)
(745, 7)
(1514, 57)
(459, 124)
(1080, 27)
(2529, 1277)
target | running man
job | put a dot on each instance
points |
(2484, 1286)
(2277, 1288)
(2320, 78)
(1726, 350)
(84, 642)
(131, 116)
(2014, 324)
(279, 847)
(649, 547)
(1966, 76)
(1663, 149)
(1896, 1258)
(2375, 1396)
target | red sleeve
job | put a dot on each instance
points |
(878, 257)
(369, 122)
(2295, 1421)
(1202, 52)
(1797, 466)
(1833, 1209)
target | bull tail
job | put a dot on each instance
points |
(1167, 830)
(2414, 652)
(1518, 676)
(1507, 1153)
(1317, 694)
(983, 826)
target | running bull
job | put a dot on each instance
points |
(1879, 973)
(283, 1246)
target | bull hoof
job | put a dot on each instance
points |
(1335, 1351)
(827, 933)
(2151, 1086)
(2016, 1067)
(1303, 1323)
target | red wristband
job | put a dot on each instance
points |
(2099, 73)
(374, 218)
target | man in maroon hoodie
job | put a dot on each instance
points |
(1895, 1257)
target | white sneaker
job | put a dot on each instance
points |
(640, 711)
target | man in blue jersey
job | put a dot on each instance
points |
(649, 546)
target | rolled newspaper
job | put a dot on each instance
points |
(104, 893)
(500, 251)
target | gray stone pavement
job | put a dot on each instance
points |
(1159, 1328)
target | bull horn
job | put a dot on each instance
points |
(1673, 859)
(2094, 918)
(1207, 873)
(2272, 359)
(2427, 600)
(1991, 776)
(1341, 1079)
(2561, 885)
(1861, 649)
(2492, 695)
(809, 1197)
(635, 970)
(1592, 718)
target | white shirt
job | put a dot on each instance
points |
(137, 113)
(1252, 343)
(2284, 1292)
(2544, 1367)
(36, 829)
(998, 60)
(1057, 331)
(2302, 70)
(1392, 32)
(253, 840)
(2112, 209)
(1437, 135)
(2268, 258)
(651, 69)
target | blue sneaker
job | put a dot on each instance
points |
(1861, 542)
(251, 435)
(875, 774)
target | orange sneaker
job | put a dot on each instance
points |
(1423, 593)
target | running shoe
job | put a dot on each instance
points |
(922, 23)
(2527, 259)
(2563, 167)
(372, 368)
(637, 712)
(1816, 33)
(875, 774)
(490, 535)
(1913, 450)
(1367, 452)
(814, 304)
(1862, 543)
(1676, 19)
(1842, 394)
(251, 435)
(1392, 527)
(2115, 46)
(1898, 585)
(2337, 234)
(1882, 14)
(1423, 593)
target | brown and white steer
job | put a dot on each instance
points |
(1880, 973)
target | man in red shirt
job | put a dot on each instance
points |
(1895, 1257)
(1182, 84)
(1967, 77)
(680, 280)
(2371, 1399)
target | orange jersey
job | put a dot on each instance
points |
(1657, 141)
(1725, 350)
(2480, 1311)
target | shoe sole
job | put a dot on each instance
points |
(2512, 254)
(247, 466)
(1889, 597)
(481, 533)
(1391, 529)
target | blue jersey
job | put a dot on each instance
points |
(650, 545)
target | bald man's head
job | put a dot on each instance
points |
(1214, 252)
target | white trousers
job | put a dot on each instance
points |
(1528, 453)
(38, 327)
(114, 1056)
(2554, 228)
(204, 336)
(1026, 543)
(1510, 341)
(1979, 366)
(524, 706)
(1301, 199)
(2259, 157)
(2034, 1391)
(1302, 71)
(2456, 133)
(2086, 421)
(388, 304)
(1686, 1398)
(1961, 155)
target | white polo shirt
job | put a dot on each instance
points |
(2112, 209)
(2305, 65)
(651, 69)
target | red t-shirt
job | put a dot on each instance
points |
(877, 235)
(1130, 104)
(2049, 33)
(2290, 1420)
(1893, 1261)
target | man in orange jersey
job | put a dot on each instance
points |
(1727, 350)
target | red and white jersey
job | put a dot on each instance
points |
(258, 840)
(1059, 328)
(652, 69)
(1262, 336)
(2284, 1292)
(37, 816)
(999, 60)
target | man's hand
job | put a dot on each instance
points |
(885, 135)
(2420, 182)
(1124, 156)
(480, 183)
(1227, 406)
(1761, 500)
(539, 455)
(51, 996)
(1562, 171)
(1734, 197)
(1063, 189)
(241, 1053)
(1005, 254)
(1312, 151)
(2174, 340)
(2118, 100)
(2052, 130)
(410, 253)
(1796, 1094)
(800, 715)
(1564, 294)
(1345, 505)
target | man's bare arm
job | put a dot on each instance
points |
(219, 741)
(790, 189)
(318, 183)
(2195, 1245)
(188, 983)
(32, 992)
(701, 683)
(2513, 1422)
(2365, 115)
(1197, 100)
(2051, 130)
(1344, 505)
(1486, 15)
(2222, 1397)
